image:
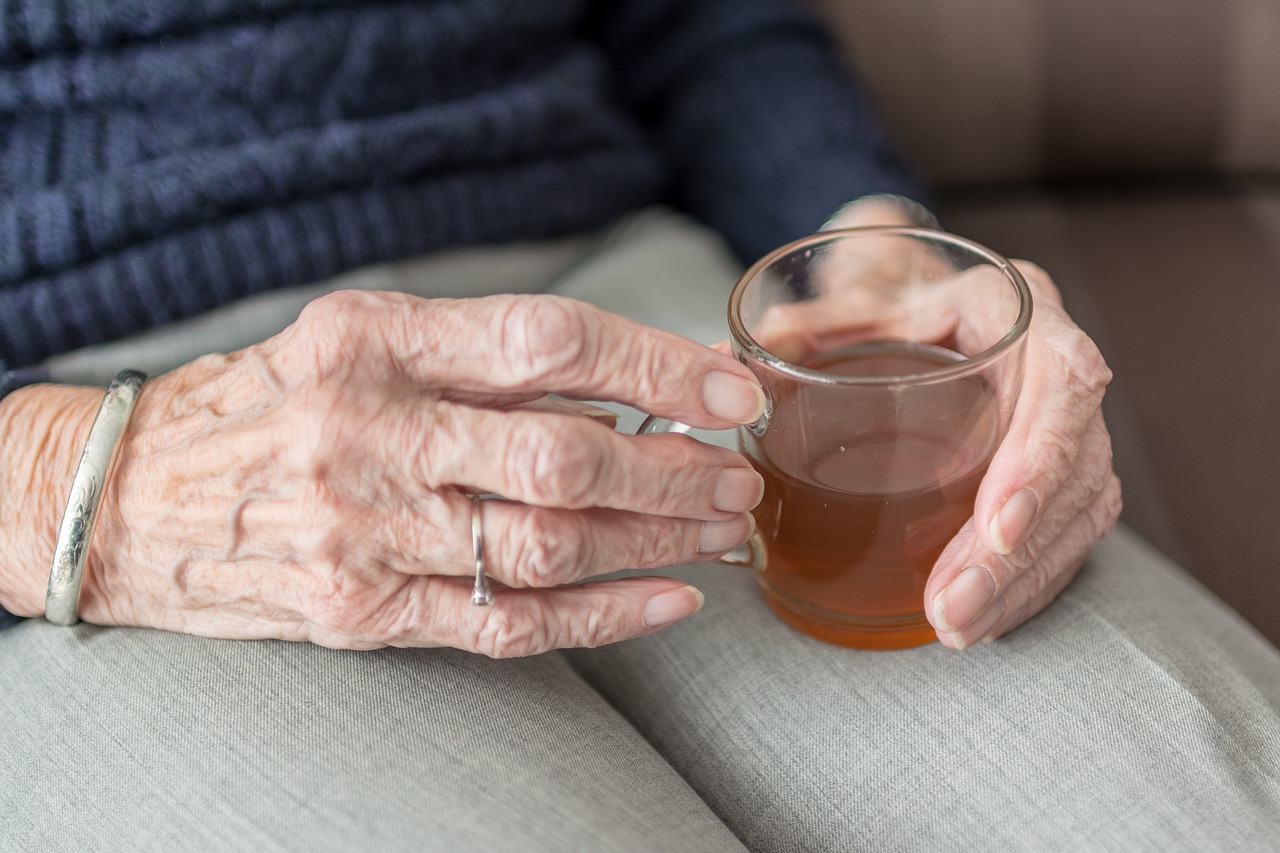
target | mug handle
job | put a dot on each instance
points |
(750, 553)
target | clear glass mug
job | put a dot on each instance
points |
(891, 359)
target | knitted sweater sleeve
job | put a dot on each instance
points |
(767, 132)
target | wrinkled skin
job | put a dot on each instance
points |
(315, 487)
(1050, 493)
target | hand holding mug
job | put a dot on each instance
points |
(895, 359)
(1051, 492)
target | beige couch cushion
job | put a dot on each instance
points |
(997, 91)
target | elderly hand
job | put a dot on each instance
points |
(315, 487)
(1049, 495)
(1050, 492)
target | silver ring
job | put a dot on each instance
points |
(480, 594)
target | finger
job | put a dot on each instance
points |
(1091, 471)
(1033, 591)
(976, 592)
(870, 210)
(1064, 383)
(436, 611)
(884, 258)
(570, 463)
(523, 545)
(1029, 590)
(522, 345)
(362, 440)
(797, 332)
(1081, 491)
(936, 313)
(537, 547)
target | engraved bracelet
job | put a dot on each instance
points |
(62, 601)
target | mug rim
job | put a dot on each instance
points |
(965, 367)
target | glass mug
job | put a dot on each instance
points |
(891, 360)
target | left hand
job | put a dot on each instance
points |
(1050, 493)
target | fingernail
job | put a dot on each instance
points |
(1013, 519)
(981, 626)
(737, 490)
(672, 606)
(732, 398)
(720, 536)
(963, 599)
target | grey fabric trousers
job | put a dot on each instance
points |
(1136, 713)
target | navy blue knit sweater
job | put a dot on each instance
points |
(159, 158)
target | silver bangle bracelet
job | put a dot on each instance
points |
(62, 601)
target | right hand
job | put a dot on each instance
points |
(314, 487)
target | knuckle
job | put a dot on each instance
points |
(346, 604)
(1095, 468)
(544, 336)
(684, 474)
(341, 329)
(601, 626)
(306, 419)
(1094, 479)
(555, 466)
(1022, 561)
(322, 422)
(340, 308)
(1087, 371)
(410, 539)
(1034, 571)
(322, 539)
(410, 434)
(445, 443)
(1111, 505)
(665, 542)
(509, 632)
(534, 554)
(332, 317)
(1055, 450)
(649, 372)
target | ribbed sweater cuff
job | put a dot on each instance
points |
(12, 380)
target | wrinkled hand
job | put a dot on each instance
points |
(315, 487)
(1050, 493)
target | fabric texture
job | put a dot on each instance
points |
(125, 739)
(1024, 91)
(1136, 713)
(158, 160)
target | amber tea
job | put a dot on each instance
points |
(861, 499)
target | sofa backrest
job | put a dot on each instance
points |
(998, 91)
